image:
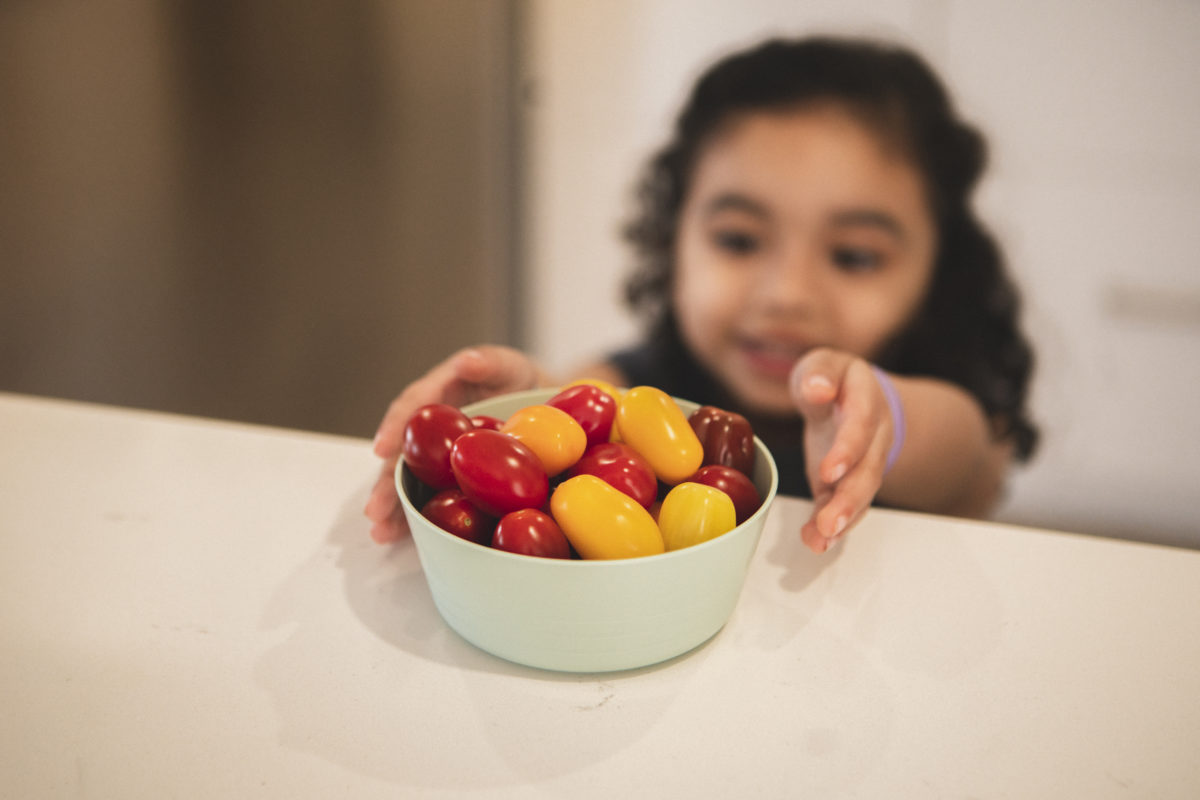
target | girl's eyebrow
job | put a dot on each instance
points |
(733, 201)
(871, 218)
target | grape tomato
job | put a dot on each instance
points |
(592, 407)
(726, 437)
(450, 510)
(741, 489)
(621, 467)
(531, 532)
(497, 472)
(692, 513)
(650, 421)
(602, 522)
(551, 433)
(428, 438)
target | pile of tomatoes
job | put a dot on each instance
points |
(592, 473)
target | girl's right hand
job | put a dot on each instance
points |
(467, 376)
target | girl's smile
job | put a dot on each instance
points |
(800, 229)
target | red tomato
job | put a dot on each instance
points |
(498, 473)
(621, 467)
(727, 438)
(734, 483)
(592, 407)
(451, 511)
(428, 437)
(486, 421)
(530, 532)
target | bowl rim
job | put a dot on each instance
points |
(473, 409)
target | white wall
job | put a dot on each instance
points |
(1093, 111)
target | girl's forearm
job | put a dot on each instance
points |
(949, 463)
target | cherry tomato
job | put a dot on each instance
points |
(604, 386)
(451, 511)
(498, 473)
(693, 513)
(551, 433)
(602, 522)
(486, 421)
(621, 467)
(740, 489)
(428, 437)
(530, 532)
(592, 407)
(727, 438)
(652, 423)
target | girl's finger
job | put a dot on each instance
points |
(815, 382)
(383, 499)
(854, 492)
(861, 416)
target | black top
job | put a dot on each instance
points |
(667, 365)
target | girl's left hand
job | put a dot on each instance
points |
(848, 433)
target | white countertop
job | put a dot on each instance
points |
(193, 608)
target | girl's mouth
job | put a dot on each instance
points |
(770, 359)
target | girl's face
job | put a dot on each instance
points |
(800, 229)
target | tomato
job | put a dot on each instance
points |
(498, 473)
(531, 532)
(451, 511)
(693, 513)
(428, 437)
(652, 423)
(621, 467)
(740, 489)
(603, 386)
(602, 522)
(592, 407)
(486, 421)
(551, 433)
(727, 438)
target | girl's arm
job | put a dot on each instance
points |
(949, 462)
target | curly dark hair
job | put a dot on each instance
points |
(966, 331)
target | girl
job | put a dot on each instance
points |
(808, 227)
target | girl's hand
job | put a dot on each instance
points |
(848, 433)
(465, 377)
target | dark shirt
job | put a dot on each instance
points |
(667, 365)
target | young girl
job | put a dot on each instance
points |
(808, 257)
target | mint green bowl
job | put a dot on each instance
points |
(585, 616)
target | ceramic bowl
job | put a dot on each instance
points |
(585, 616)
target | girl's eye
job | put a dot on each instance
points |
(736, 242)
(856, 259)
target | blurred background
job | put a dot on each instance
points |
(282, 217)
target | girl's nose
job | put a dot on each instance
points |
(792, 282)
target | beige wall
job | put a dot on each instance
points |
(225, 210)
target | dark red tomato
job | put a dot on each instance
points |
(727, 438)
(498, 473)
(428, 437)
(592, 407)
(488, 422)
(451, 511)
(621, 467)
(530, 532)
(740, 489)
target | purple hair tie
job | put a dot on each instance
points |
(894, 405)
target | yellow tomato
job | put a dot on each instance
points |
(652, 423)
(693, 513)
(602, 522)
(551, 433)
